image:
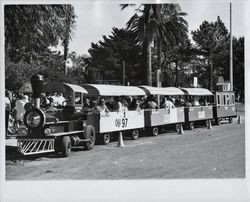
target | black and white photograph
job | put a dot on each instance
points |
(124, 101)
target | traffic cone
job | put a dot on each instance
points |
(210, 125)
(238, 119)
(120, 141)
(181, 130)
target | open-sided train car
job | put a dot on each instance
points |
(156, 119)
(107, 124)
(198, 111)
(224, 107)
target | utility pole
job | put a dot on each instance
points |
(231, 50)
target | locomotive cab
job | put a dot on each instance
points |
(53, 129)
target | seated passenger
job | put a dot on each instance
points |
(117, 104)
(110, 103)
(179, 102)
(52, 108)
(151, 103)
(188, 101)
(86, 106)
(124, 104)
(103, 108)
(60, 99)
(95, 108)
(135, 104)
(203, 101)
(168, 103)
(195, 102)
(138, 105)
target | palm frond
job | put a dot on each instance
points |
(123, 6)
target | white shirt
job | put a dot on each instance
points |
(7, 104)
(20, 109)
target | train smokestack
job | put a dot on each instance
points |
(37, 84)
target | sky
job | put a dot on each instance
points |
(96, 18)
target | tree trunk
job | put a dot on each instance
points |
(66, 39)
(148, 64)
(148, 61)
(159, 53)
(176, 75)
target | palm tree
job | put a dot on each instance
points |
(161, 22)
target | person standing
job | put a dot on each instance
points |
(20, 111)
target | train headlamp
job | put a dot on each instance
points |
(34, 118)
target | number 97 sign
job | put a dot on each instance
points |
(123, 122)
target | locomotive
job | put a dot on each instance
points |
(54, 130)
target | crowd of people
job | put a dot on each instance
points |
(15, 102)
(122, 103)
(14, 108)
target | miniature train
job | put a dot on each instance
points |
(63, 127)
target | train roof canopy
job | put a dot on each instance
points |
(162, 91)
(112, 90)
(197, 91)
(75, 88)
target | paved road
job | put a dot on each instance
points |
(201, 153)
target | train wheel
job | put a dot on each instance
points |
(191, 125)
(106, 138)
(66, 146)
(135, 134)
(230, 119)
(155, 131)
(178, 127)
(218, 121)
(89, 134)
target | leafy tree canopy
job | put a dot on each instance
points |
(108, 54)
(30, 29)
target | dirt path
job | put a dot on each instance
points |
(201, 153)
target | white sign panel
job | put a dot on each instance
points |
(119, 121)
(201, 114)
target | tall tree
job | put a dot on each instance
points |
(108, 54)
(157, 21)
(67, 34)
(211, 38)
(175, 63)
(239, 66)
(30, 31)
